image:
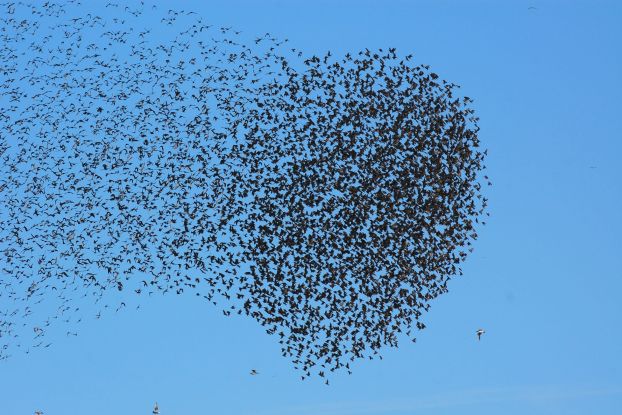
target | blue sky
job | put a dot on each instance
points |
(544, 279)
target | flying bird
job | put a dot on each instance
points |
(479, 333)
(243, 174)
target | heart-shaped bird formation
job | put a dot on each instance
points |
(331, 199)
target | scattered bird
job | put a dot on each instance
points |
(479, 333)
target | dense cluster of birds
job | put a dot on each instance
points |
(330, 199)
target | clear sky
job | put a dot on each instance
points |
(544, 280)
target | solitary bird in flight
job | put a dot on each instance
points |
(254, 372)
(479, 333)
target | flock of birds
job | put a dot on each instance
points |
(330, 199)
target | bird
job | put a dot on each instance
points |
(479, 333)
(254, 372)
(243, 174)
(156, 409)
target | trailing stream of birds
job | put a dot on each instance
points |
(330, 198)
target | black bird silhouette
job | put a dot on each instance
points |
(479, 333)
